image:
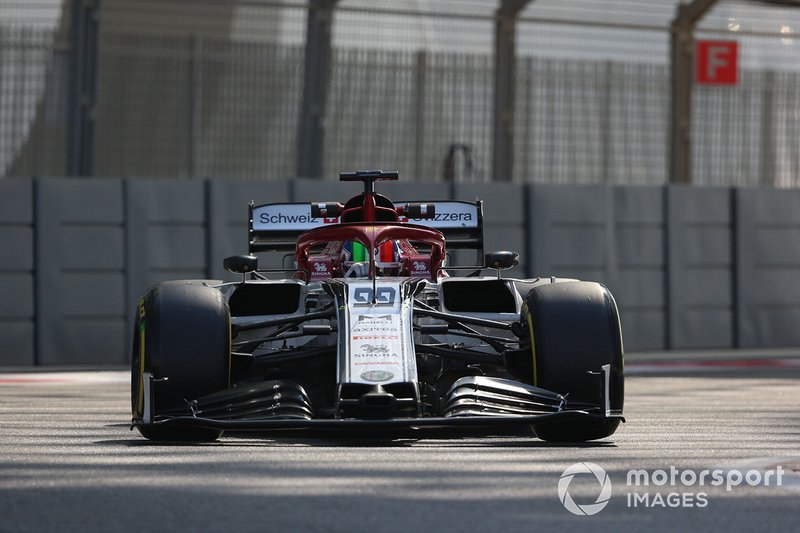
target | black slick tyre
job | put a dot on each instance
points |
(575, 330)
(181, 337)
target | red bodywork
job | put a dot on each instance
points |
(364, 229)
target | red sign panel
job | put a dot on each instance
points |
(717, 63)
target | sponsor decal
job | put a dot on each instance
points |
(449, 215)
(383, 296)
(375, 348)
(297, 217)
(320, 267)
(385, 356)
(374, 337)
(442, 217)
(376, 375)
(282, 217)
(371, 318)
(373, 329)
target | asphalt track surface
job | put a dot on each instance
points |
(68, 461)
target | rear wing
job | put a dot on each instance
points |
(275, 227)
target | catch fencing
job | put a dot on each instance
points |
(193, 88)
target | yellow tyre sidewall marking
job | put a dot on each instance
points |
(533, 343)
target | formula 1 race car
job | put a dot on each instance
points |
(371, 328)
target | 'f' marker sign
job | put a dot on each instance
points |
(717, 63)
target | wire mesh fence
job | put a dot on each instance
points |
(194, 88)
(197, 107)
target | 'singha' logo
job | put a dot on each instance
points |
(582, 469)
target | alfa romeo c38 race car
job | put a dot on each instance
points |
(373, 329)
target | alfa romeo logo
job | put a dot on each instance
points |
(582, 469)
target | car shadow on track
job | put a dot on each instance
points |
(398, 438)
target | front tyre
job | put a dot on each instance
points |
(182, 337)
(574, 331)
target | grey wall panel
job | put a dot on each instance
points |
(16, 342)
(642, 329)
(82, 201)
(17, 308)
(569, 231)
(640, 245)
(701, 298)
(228, 223)
(638, 280)
(640, 289)
(16, 201)
(408, 191)
(80, 271)
(105, 244)
(166, 235)
(173, 246)
(707, 287)
(778, 245)
(614, 236)
(16, 302)
(504, 219)
(772, 326)
(503, 203)
(173, 202)
(705, 328)
(706, 244)
(306, 190)
(768, 268)
(16, 246)
(100, 341)
(775, 286)
(574, 248)
(87, 295)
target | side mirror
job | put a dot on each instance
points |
(501, 260)
(240, 264)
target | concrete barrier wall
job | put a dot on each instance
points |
(690, 267)
(614, 235)
(81, 308)
(768, 267)
(637, 256)
(701, 270)
(17, 292)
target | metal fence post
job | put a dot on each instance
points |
(767, 177)
(527, 130)
(420, 67)
(605, 123)
(505, 58)
(681, 63)
(316, 75)
(83, 88)
(195, 104)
